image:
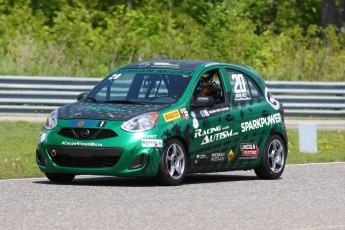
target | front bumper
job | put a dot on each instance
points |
(123, 155)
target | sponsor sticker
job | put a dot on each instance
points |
(217, 156)
(249, 151)
(195, 121)
(172, 115)
(115, 76)
(200, 159)
(149, 136)
(218, 110)
(230, 155)
(82, 123)
(204, 113)
(151, 143)
(79, 143)
(101, 124)
(270, 99)
(184, 113)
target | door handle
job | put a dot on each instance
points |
(265, 113)
(229, 118)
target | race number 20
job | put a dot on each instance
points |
(240, 88)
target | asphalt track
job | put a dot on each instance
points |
(307, 197)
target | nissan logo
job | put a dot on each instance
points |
(85, 133)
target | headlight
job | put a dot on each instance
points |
(52, 120)
(141, 123)
(42, 137)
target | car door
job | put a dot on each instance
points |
(213, 126)
(248, 100)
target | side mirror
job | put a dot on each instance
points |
(202, 102)
(81, 96)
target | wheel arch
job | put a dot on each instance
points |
(283, 137)
(183, 141)
(186, 148)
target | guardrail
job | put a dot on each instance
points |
(26, 94)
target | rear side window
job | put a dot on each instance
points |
(243, 87)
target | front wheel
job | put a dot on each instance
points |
(273, 159)
(172, 167)
(60, 177)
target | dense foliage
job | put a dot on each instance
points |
(283, 40)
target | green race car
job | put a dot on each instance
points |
(164, 119)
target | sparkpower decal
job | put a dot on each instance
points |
(214, 134)
(172, 115)
(261, 122)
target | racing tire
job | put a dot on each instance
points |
(273, 159)
(172, 167)
(60, 177)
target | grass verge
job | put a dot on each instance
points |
(19, 139)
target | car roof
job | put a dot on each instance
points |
(190, 65)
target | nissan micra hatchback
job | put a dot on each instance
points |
(164, 119)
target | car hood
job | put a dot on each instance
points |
(102, 111)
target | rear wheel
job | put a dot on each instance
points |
(172, 166)
(60, 177)
(273, 159)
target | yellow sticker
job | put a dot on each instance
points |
(230, 155)
(172, 115)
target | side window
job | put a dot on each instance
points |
(210, 84)
(254, 89)
(243, 87)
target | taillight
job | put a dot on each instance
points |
(283, 110)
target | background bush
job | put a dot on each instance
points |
(283, 40)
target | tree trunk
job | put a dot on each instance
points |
(328, 13)
(130, 4)
(341, 19)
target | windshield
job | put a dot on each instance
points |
(141, 87)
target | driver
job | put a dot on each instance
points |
(208, 87)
